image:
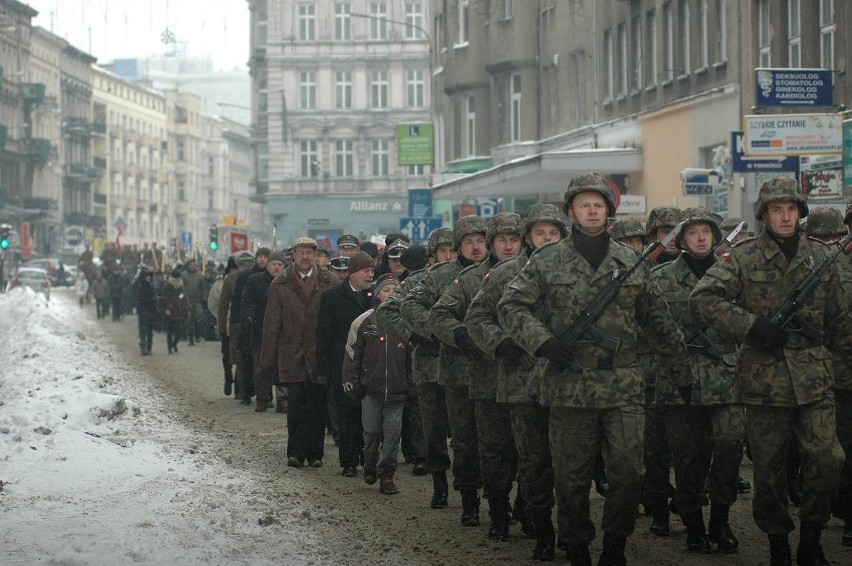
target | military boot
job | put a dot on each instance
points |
(658, 508)
(523, 516)
(613, 551)
(387, 485)
(545, 537)
(809, 552)
(498, 509)
(696, 534)
(470, 508)
(148, 347)
(719, 531)
(143, 348)
(779, 551)
(578, 555)
(440, 490)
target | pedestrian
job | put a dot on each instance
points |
(395, 244)
(241, 350)
(252, 309)
(146, 308)
(376, 373)
(214, 300)
(81, 288)
(193, 285)
(516, 385)
(339, 266)
(469, 241)
(288, 351)
(347, 244)
(493, 446)
(595, 395)
(339, 306)
(116, 292)
(630, 232)
(785, 374)
(175, 310)
(99, 288)
(705, 423)
(229, 328)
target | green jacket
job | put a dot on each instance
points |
(416, 305)
(715, 384)
(755, 280)
(843, 365)
(514, 384)
(424, 358)
(550, 292)
(448, 315)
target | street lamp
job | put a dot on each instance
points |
(407, 24)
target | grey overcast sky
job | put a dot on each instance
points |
(117, 29)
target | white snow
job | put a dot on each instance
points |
(93, 471)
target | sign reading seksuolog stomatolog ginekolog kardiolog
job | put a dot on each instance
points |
(793, 134)
(794, 87)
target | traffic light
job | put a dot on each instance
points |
(4, 237)
(214, 237)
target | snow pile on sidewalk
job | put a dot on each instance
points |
(92, 471)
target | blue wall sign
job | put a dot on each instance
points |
(794, 87)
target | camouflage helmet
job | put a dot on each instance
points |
(467, 225)
(824, 221)
(780, 189)
(694, 216)
(543, 212)
(503, 223)
(662, 217)
(440, 237)
(624, 228)
(589, 182)
(847, 219)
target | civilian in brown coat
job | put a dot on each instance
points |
(288, 350)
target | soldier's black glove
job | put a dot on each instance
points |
(419, 340)
(685, 393)
(509, 350)
(556, 352)
(769, 335)
(466, 344)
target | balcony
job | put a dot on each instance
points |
(33, 93)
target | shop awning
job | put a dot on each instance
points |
(541, 174)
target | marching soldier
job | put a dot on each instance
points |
(493, 434)
(516, 385)
(705, 424)
(594, 389)
(424, 365)
(785, 376)
(661, 221)
(629, 231)
(469, 240)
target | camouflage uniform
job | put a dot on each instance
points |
(598, 408)
(624, 228)
(788, 400)
(707, 434)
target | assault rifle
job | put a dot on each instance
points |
(786, 317)
(582, 328)
(696, 338)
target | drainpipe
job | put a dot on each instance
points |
(538, 74)
(595, 63)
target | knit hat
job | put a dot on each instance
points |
(277, 256)
(414, 258)
(386, 279)
(358, 261)
(262, 251)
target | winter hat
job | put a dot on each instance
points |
(370, 249)
(277, 256)
(262, 251)
(386, 279)
(244, 259)
(358, 261)
(414, 258)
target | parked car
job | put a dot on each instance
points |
(56, 271)
(33, 277)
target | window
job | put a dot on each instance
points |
(343, 160)
(794, 34)
(262, 162)
(686, 24)
(416, 170)
(378, 21)
(414, 81)
(651, 32)
(209, 200)
(260, 29)
(508, 9)
(826, 33)
(309, 162)
(307, 90)
(764, 59)
(722, 47)
(705, 35)
(515, 109)
(262, 101)
(470, 126)
(343, 89)
(342, 21)
(463, 38)
(621, 37)
(668, 41)
(608, 66)
(181, 152)
(307, 22)
(379, 158)
(413, 20)
(636, 51)
(379, 89)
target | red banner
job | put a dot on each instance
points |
(239, 242)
